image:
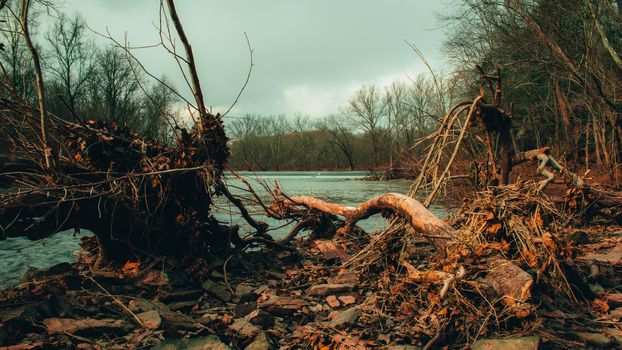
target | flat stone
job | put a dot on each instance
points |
(19, 313)
(509, 281)
(260, 318)
(70, 325)
(330, 250)
(282, 305)
(345, 277)
(578, 237)
(329, 288)
(596, 339)
(261, 342)
(243, 309)
(347, 299)
(218, 290)
(179, 305)
(55, 271)
(137, 305)
(346, 317)
(184, 295)
(154, 278)
(332, 301)
(151, 319)
(244, 289)
(522, 343)
(244, 328)
(612, 256)
(210, 342)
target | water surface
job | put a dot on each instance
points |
(348, 188)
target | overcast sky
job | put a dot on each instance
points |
(310, 56)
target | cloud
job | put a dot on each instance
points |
(319, 100)
(309, 56)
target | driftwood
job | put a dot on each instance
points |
(511, 283)
(419, 217)
(544, 157)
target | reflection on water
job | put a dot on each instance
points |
(348, 188)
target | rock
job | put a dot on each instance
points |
(522, 343)
(137, 305)
(20, 313)
(245, 290)
(578, 237)
(174, 322)
(55, 271)
(260, 318)
(596, 339)
(329, 288)
(282, 305)
(243, 309)
(150, 319)
(60, 305)
(332, 301)
(183, 295)
(614, 300)
(210, 342)
(612, 256)
(218, 290)
(154, 278)
(330, 250)
(511, 282)
(182, 305)
(346, 317)
(347, 299)
(244, 328)
(261, 342)
(345, 277)
(70, 325)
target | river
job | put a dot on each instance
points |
(349, 188)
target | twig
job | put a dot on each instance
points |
(115, 299)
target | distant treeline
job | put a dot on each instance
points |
(83, 80)
(378, 128)
(560, 61)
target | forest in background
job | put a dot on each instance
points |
(560, 64)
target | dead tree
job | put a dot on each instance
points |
(140, 198)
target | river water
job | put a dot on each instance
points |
(348, 188)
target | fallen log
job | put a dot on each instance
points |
(511, 283)
(419, 217)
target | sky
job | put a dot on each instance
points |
(309, 56)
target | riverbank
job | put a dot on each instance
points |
(351, 291)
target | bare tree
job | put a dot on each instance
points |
(25, 6)
(71, 61)
(367, 110)
(340, 136)
(115, 88)
(245, 140)
(301, 127)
